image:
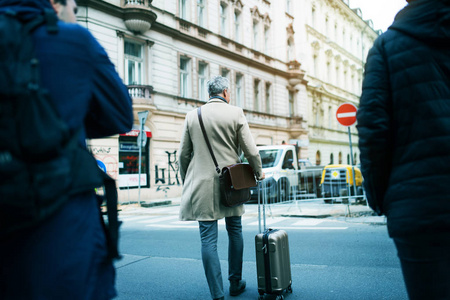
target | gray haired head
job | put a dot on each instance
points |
(217, 84)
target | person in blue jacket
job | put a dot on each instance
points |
(66, 257)
(404, 139)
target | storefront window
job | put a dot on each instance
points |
(129, 163)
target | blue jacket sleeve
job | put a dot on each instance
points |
(374, 127)
(110, 109)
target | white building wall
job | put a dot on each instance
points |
(169, 37)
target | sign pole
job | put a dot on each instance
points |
(351, 159)
(141, 141)
(346, 116)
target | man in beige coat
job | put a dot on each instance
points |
(229, 134)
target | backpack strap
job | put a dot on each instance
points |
(51, 20)
(200, 119)
(112, 229)
(48, 17)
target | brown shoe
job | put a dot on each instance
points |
(237, 287)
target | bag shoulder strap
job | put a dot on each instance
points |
(200, 119)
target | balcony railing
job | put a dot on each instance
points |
(138, 2)
(140, 91)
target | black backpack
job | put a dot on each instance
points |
(42, 163)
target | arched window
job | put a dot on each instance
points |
(340, 157)
(331, 159)
(318, 158)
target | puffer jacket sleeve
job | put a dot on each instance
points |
(111, 109)
(374, 121)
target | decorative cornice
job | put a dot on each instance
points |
(255, 12)
(330, 43)
(177, 34)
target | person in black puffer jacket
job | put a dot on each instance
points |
(404, 139)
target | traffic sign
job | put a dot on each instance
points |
(142, 137)
(346, 114)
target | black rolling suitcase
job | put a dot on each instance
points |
(273, 265)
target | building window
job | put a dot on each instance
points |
(290, 50)
(225, 73)
(330, 117)
(266, 39)
(129, 163)
(351, 46)
(256, 95)
(291, 104)
(223, 19)
(316, 66)
(331, 159)
(268, 97)
(184, 10)
(329, 72)
(340, 158)
(345, 80)
(289, 6)
(344, 40)
(185, 77)
(239, 90)
(134, 63)
(201, 13)
(335, 32)
(318, 158)
(255, 35)
(237, 26)
(338, 77)
(352, 82)
(202, 79)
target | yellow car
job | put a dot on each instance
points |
(337, 183)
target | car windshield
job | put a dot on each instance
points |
(269, 157)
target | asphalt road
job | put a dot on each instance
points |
(330, 259)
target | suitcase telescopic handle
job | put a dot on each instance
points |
(261, 191)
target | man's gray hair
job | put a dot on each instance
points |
(217, 84)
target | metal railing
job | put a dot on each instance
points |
(288, 186)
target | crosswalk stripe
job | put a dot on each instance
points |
(160, 219)
(174, 226)
(269, 221)
(307, 222)
(133, 218)
(311, 228)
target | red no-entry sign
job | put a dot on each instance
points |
(346, 114)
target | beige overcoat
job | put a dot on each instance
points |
(229, 134)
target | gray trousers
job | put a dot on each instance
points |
(211, 263)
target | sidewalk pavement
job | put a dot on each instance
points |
(295, 209)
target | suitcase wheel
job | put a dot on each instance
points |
(289, 289)
(279, 297)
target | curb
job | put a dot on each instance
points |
(158, 203)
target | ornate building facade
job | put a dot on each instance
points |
(286, 70)
(334, 41)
